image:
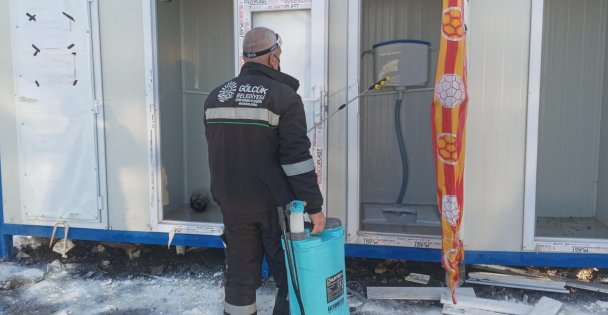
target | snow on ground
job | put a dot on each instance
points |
(62, 293)
(12, 273)
(391, 307)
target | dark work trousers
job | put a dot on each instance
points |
(248, 238)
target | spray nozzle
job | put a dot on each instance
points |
(378, 85)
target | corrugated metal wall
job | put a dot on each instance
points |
(170, 100)
(602, 186)
(380, 158)
(208, 61)
(570, 108)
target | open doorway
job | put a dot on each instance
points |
(195, 53)
(572, 163)
(397, 181)
(198, 47)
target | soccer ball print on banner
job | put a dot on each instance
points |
(450, 99)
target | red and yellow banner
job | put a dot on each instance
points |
(449, 113)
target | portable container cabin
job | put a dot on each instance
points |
(101, 121)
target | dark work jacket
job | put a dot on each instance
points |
(259, 152)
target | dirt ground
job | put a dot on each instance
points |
(361, 273)
(101, 278)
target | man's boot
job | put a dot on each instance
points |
(281, 303)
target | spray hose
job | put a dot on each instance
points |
(376, 86)
(288, 243)
(402, 150)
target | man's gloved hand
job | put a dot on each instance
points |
(318, 222)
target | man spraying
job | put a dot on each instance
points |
(259, 159)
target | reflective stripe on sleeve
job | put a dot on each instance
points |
(262, 114)
(299, 168)
(240, 310)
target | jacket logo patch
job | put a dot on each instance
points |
(227, 92)
(249, 95)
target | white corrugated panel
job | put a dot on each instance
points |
(56, 95)
(381, 169)
(168, 18)
(208, 61)
(9, 159)
(574, 44)
(337, 88)
(125, 114)
(208, 35)
(602, 185)
(498, 80)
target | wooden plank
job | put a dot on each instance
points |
(454, 310)
(418, 278)
(546, 306)
(487, 305)
(516, 286)
(573, 283)
(414, 293)
(517, 280)
(596, 287)
(511, 271)
(571, 312)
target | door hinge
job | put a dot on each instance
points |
(100, 202)
(96, 107)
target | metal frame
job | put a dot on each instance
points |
(100, 118)
(530, 240)
(354, 235)
(157, 222)
(320, 51)
(97, 103)
(352, 124)
(151, 79)
(182, 49)
(536, 30)
(6, 241)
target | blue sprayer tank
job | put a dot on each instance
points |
(319, 261)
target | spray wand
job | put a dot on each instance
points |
(285, 222)
(376, 86)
